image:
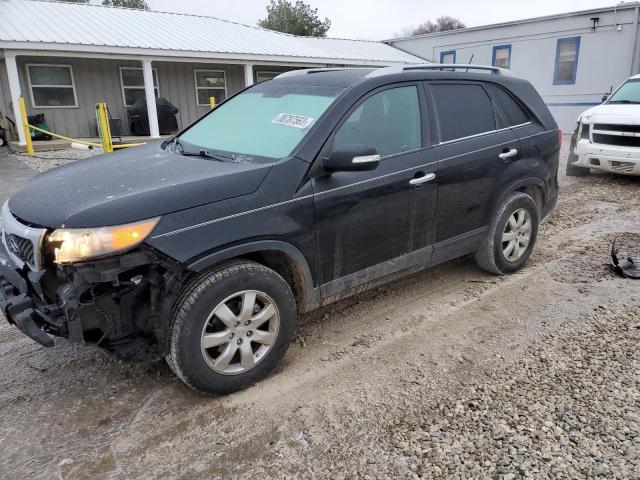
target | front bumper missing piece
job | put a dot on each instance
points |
(15, 303)
(627, 267)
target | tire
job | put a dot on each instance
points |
(211, 335)
(573, 171)
(491, 255)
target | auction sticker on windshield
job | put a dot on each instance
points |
(291, 120)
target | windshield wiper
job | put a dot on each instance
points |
(177, 147)
(624, 101)
(206, 154)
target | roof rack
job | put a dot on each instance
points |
(306, 71)
(445, 67)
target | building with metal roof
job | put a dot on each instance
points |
(65, 57)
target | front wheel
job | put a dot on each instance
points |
(511, 236)
(230, 327)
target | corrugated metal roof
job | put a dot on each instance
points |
(55, 26)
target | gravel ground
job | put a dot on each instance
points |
(449, 373)
(569, 408)
(43, 161)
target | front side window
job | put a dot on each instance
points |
(133, 84)
(629, 92)
(389, 121)
(448, 56)
(502, 56)
(52, 86)
(210, 83)
(567, 50)
(267, 121)
(463, 110)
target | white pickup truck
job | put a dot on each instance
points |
(607, 137)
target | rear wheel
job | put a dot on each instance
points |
(511, 236)
(230, 327)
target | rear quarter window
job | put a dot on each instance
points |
(463, 110)
(513, 112)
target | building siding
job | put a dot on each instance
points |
(98, 80)
(605, 58)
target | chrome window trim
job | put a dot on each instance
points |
(488, 132)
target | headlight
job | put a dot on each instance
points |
(584, 131)
(77, 244)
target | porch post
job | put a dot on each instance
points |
(14, 91)
(152, 110)
(248, 74)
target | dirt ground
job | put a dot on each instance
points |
(367, 377)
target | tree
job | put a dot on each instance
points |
(442, 24)
(297, 19)
(138, 4)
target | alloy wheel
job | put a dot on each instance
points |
(517, 235)
(240, 332)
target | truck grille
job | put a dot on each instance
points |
(621, 141)
(617, 128)
(21, 247)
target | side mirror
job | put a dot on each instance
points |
(352, 158)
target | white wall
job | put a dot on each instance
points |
(605, 56)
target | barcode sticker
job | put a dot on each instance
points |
(291, 120)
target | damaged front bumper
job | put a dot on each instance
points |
(117, 303)
(15, 302)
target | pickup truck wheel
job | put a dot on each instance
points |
(511, 236)
(230, 327)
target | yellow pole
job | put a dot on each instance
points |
(212, 102)
(103, 127)
(25, 125)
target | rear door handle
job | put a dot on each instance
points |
(420, 180)
(508, 154)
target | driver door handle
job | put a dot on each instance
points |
(420, 180)
(508, 154)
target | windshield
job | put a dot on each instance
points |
(268, 120)
(629, 92)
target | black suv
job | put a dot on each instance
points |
(294, 193)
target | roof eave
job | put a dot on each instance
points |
(621, 6)
(56, 49)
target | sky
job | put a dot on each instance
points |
(382, 19)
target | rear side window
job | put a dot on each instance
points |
(389, 121)
(513, 112)
(463, 110)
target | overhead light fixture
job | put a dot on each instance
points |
(595, 21)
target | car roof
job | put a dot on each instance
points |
(345, 77)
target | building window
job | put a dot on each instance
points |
(52, 86)
(132, 80)
(567, 50)
(210, 83)
(501, 56)
(448, 57)
(264, 76)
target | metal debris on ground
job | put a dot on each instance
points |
(627, 267)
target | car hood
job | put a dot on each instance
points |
(613, 113)
(130, 185)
